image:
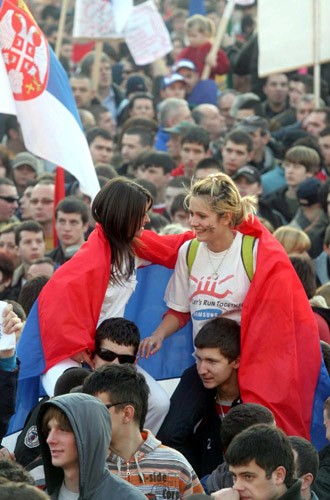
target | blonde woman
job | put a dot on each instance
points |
(293, 240)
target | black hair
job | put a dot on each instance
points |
(159, 159)
(95, 132)
(30, 291)
(239, 137)
(222, 333)
(28, 225)
(196, 135)
(71, 378)
(146, 137)
(6, 266)
(268, 446)
(178, 204)
(241, 417)
(307, 460)
(207, 163)
(118, 330)
(73, 205)
(304, 267)
(123, 384)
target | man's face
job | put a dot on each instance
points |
(106, 121)
(251, 483)
(131, 147)
(8, 202)
(105, 75)
(174, 146)
(42, 203)
(9, 248)
(213, 368)
(242, 114)
(259, 140)
(315, 123)
(101, 150)
(116, 419)
(296, 91)
(213, 122)
(143, 108)
(247, 188)
(191, 154)
(304, 109)
(225, 104)
(170, 194)
(22, 174)
(190, 77)
(43, 269)
(25, 203)
(82, 91)
(62, 446)
(70, 228)
(324, 143)
(156, 175)
(31, 246)
(181, 217)
(326, 420)
(114, 347)
(234, 156)
(295, 173)
(177, 89)
(276, 89)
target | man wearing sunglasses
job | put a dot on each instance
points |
(8, 202)
(117, 341)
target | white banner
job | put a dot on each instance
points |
(286, 34)
(101, 18)
(146, 34)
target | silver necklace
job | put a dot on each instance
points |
(215, 273)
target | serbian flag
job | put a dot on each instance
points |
(281, 362)
(63, 320)
(40, 95)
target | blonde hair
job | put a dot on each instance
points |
(222, 196)
(292, 239)
(203, 24)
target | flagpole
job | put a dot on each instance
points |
(227, 13)
(61, 27)
(317, 47)
(96, 64)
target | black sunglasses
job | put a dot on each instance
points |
(9, 199)
(110, 405)
(108, 355)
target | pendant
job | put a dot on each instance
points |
(215, 276)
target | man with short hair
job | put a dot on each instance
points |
(262, 464)
(30, 242)
(142, 105)
(157, 169)
(257, 128)
(307, 464)
(276, 89)
(8, 244)
(175, 186)
(42, 209)
(213, 382)
(41, 267)
(194, 148)
(25, 168)
(103, 118)
(324, 142)
(317, 120)
(135, 454)
(82, 90)
(237, 151)
(172, 111)
(71, 224)
(100, 145)
(135, 141)
(8, 202)
(208, 117)
(225, 101)
(206, 167)
(74, 459)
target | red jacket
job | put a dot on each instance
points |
(198, 54)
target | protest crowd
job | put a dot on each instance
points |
(210, 174)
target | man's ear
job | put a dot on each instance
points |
(128, 414)
(306, 481)
(236, 362)
(279, 475)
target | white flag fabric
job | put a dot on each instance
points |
(286, 34)
(98, 19)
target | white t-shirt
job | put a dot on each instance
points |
(65, 494)
(202, 295)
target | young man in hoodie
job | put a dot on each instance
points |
(135, 454)
(74, 432)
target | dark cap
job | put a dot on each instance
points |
(170, 79)
(180, 128)
(308, 192)
(135, 84)
(252, 174)
(184, 63)
(26, 158)
(252, 123)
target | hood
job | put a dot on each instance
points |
(90, 421)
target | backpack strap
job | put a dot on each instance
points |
(247, 254)
(191, 253)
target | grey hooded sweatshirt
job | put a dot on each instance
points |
(90, 421)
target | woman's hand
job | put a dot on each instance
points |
(11, 322)
(150, 345)
(84, 357)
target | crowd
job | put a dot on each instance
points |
(226, 180)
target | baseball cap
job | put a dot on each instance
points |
(135, 84)
(26, 158)
(252, 174)
(307, 192)
(184, 63)
(252, 123)
(170, 79)
(180, 128)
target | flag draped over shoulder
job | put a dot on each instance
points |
(281, 363)
(42, 97)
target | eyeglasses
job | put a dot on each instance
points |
(110, 405)
(9, 199)
(43, 201)
(108, 355)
